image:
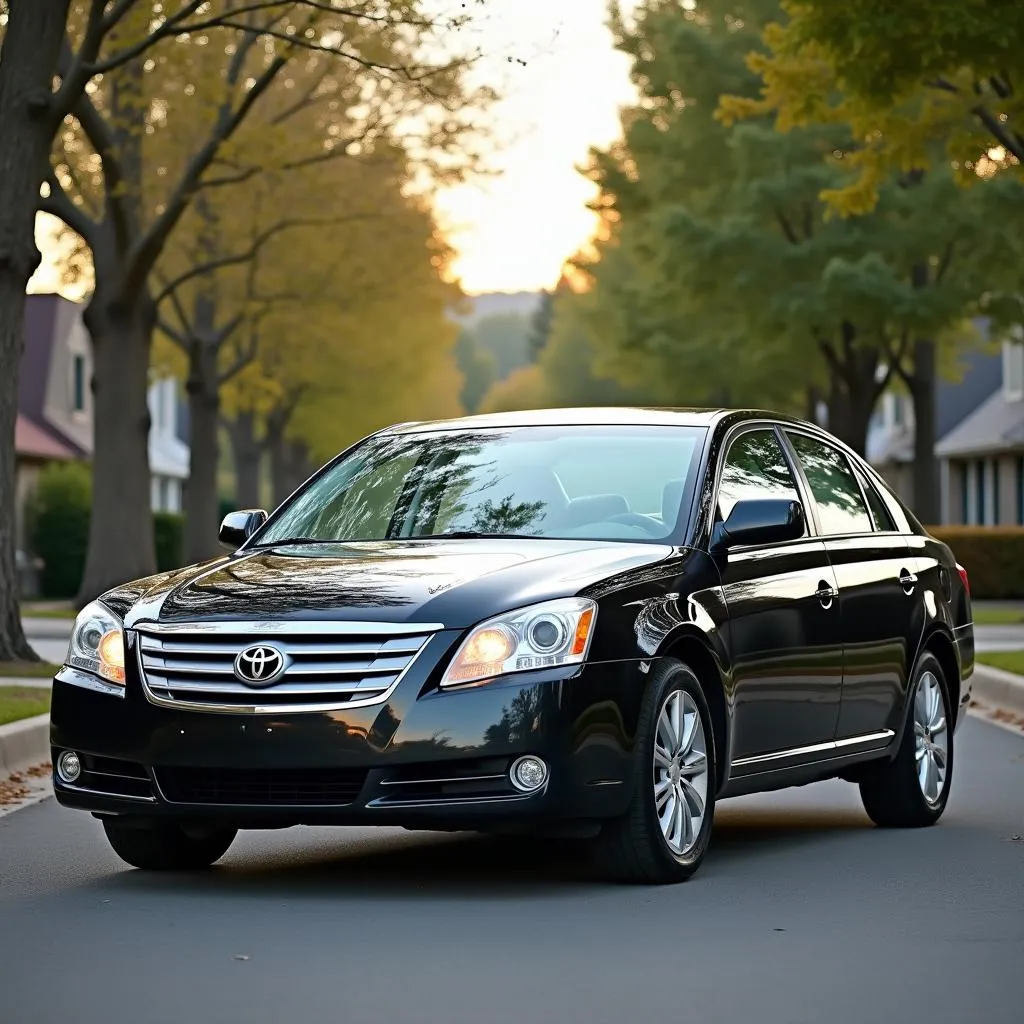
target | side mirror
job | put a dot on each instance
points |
(237, 527)
(759, 521)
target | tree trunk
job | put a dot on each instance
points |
(121, 544)
(28, 61)
(203, 387)
(248, 459)
(925, 473)
(853, 388)
(289, 465)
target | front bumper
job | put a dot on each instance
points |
(424, 758)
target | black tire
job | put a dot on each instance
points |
(633, 848)
(167, 846)
(891, 792)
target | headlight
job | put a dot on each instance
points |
(97, 643)
(553, 633)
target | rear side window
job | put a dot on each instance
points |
(755, 467)
(880, 514)
(841, 507)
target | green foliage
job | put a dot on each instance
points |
(992, 555)
(58, 518)
(506, 338)
(540, 324)
(477, 369)
(169, 530)
(902, 77)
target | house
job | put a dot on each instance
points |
(890, 440)
(982, 457)
(55, 405)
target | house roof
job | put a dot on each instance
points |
(996, 425)
(33, 442)
(981, 375)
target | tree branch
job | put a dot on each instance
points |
(1009, 139)
(58, 204)
(172, 332)
(787, 229)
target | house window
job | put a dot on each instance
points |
(995, 492)
(965, 493)
(1013, 370)
(78, 383)
(979, 486)
(1020, 490)
(898, 417)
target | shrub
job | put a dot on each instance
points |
(169, 530)
(58, 522)
(992, 555)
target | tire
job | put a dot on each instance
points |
(167, 846)
(635, 848)
(893, 793)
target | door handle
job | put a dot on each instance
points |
(908, 580)
(825, 594)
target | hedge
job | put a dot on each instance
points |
(992, 555)
(57, 517)
(169, 530)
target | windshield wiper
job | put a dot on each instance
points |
(289, 541)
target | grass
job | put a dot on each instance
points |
(27, 669)
(17, 702)
(1008, 661)
(998, 616)
(46, 611)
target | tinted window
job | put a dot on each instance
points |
(880, 514)
(755, 467)
(596, 482)
(841, 508)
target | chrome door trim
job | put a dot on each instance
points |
(816, 748)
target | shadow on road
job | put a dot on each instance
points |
(466, 866)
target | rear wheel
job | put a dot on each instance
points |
(911, 790)
(167, 846)
(665, 833)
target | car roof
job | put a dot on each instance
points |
(593, 415)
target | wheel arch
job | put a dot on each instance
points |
(939, 643)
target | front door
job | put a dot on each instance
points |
(783, 632)
(876, 588)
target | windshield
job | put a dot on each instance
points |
(586, 482)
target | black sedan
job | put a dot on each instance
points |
(589, 623)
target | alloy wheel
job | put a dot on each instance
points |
(931, 737)
(680, 771)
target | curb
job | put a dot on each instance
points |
(24, 744)
(1000, 689)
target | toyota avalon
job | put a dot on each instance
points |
(587, 623)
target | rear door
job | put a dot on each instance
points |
(876, 587)
(783, 629)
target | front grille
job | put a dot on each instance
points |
(261, 787)
(439, 782)
(327, 664)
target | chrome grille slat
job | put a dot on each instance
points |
(327, 664)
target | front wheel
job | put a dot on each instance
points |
(167, 846)
(664, 835)
(911, 790)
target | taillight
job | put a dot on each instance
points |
(963, 578)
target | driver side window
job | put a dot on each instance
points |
(755, 467)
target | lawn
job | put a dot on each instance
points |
(27, 669)
(31, 611)
(22, 702)
(1008, 661)
(998, 616)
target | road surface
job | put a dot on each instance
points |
(802, 914)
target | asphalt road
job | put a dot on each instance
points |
(802, 913)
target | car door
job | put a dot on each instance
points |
(876, 587)
(783, 629)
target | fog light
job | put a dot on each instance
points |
(68, 766)
(528, 773)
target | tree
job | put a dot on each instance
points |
(28, 60)
(721, 265)
(902, 76)
(476, 367)
(127, 215)
(506, 337)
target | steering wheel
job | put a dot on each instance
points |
(645, 523)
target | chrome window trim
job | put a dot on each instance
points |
(291, 628)
(815, 748)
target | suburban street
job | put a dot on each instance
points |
(802, 913)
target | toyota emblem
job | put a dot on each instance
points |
(260, 665)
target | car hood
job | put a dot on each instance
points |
(451, 582)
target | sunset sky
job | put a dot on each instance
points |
(514, 230)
